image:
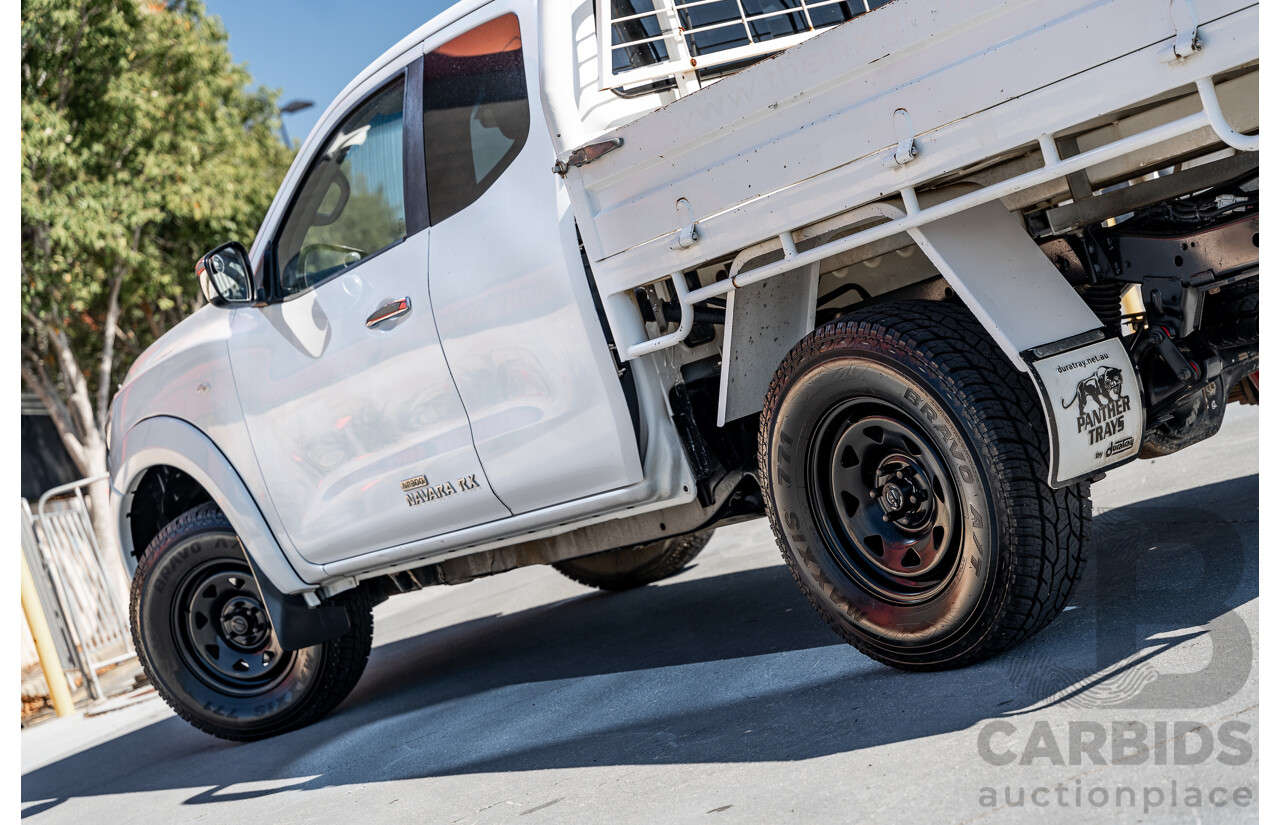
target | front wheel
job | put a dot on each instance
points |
(905, 464)
(203, 636)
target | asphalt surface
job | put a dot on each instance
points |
(720, 696)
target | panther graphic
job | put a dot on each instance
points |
(1103, 387)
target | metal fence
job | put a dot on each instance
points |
(86, 610)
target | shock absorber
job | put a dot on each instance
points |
(1104, 300)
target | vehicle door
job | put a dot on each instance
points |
(354, 418)
(512, 301)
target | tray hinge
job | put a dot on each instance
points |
(1186, 32)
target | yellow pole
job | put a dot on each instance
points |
(58, 690)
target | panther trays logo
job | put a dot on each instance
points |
(1105, 388)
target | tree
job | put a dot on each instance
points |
(142, 146)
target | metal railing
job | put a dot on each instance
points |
(912, 215)
(59, 540)
(646, 40)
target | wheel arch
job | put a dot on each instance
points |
(765, 319)
(162, 493)
(985, 257)
(163, 451)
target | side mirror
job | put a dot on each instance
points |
(225, 275)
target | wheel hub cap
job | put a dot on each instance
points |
(243, 623)
(901, 487)
(893, 498)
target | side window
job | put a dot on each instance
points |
(475, 113)
(351, 204)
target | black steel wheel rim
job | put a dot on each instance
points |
(884, 498)
(223, 633)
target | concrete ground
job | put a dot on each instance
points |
(719, 695)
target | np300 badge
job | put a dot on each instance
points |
(413, 483)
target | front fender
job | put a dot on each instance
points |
(163, 440)
(298, 621)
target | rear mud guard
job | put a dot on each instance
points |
(1088, 388)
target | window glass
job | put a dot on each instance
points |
(351, 204)
(475, 113)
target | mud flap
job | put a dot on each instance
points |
(1045, 328)
(296, 624)
(1093, 405)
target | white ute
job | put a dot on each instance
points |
(555, 282)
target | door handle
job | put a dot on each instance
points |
(398, 307)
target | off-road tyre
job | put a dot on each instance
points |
(1011, 547)
(195, 567)
(632, 567)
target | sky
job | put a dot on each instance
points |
(311, 49)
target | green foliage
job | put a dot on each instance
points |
(367, 223)
(142, 147)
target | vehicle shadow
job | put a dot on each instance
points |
(729, 668)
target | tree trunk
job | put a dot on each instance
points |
(109, 346)
(74, 421)
(104, 527)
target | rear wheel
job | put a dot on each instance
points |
(635, 566)
(203, 636)
(904, 464)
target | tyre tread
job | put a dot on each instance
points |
(1046, 530)
(345, 657)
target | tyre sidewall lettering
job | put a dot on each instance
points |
(159, 587)
(813, 389)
